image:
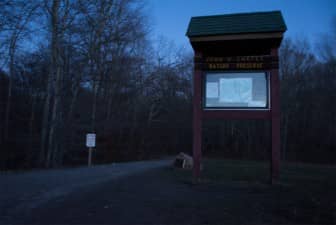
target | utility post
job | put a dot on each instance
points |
(90, 143)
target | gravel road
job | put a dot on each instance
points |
(22, 192)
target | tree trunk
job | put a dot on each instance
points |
(94, 107)
(55, 78)
(10, 84)
(285, 136)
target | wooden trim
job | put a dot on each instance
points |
(237, 114)
(231, 37)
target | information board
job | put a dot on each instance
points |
(236, 90)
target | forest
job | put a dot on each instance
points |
(68, 68)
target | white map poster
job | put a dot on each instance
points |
(235, 90)
(259, 93)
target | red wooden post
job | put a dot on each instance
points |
(275, 121)
(197, 121)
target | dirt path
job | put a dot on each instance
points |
(22, 192)
(231, 192)
(158, 197)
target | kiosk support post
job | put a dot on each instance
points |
(275, 122)
(197, 121)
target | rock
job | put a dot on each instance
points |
(183, 161)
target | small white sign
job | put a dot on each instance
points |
(212, 90)
(90, 140)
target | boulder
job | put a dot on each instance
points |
(183, 161)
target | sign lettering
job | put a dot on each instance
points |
(237, 63)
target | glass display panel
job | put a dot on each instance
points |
(236, 90)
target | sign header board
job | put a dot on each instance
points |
(237, 63)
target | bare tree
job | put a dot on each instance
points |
(60, 18)
(21, 13)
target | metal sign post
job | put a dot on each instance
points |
(90, 157)
(90, 143)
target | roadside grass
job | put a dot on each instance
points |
(305, 193)
(214, 170)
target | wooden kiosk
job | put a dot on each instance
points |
(236, 73)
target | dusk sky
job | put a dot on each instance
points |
(304, 18)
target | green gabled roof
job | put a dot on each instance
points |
(257, 22)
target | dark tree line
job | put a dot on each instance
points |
(92, 69)
(74, 67)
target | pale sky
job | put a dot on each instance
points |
(304, 18)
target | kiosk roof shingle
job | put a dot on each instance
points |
(241, 23)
